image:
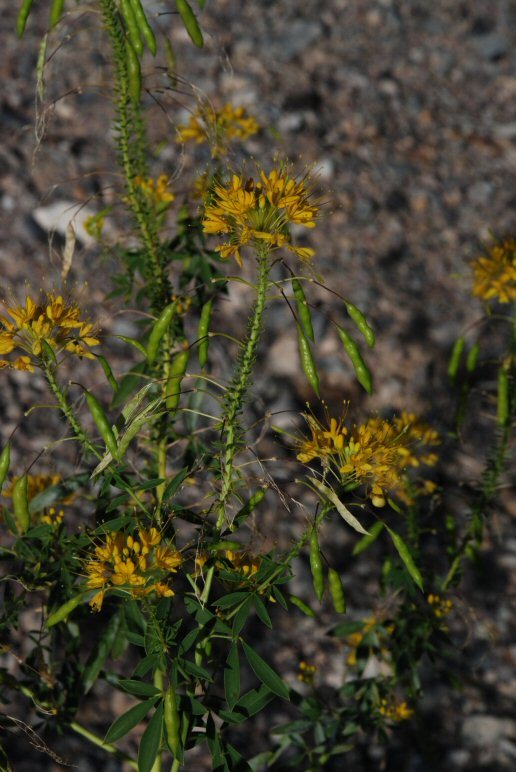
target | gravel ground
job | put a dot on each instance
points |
(407, 110)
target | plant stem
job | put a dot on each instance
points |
(240, 383)
(99, 742)
(67, 411)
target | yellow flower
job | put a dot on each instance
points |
(168, 558)
(97, 600)
(126, 572)
(306, 673)
(52, 321)
(376, 454)
(260, 212)
(149, 539)
(494, 274)
(395, 711)
(217, 127)
(243, 562)
(440, 606)
(156, 191)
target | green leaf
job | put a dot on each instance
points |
(339, 506)
(174, 484)
(128, 720)
(255, 700)
(233, 599)
(57, 492)
(138, 688)
(128, 384)
(345, 629)
(366, 541)
(151, 741)
(232, 677)
(265, 673)
(241, 616)
(262, 612)
(60, 614)
(98, 657)
(405, 555)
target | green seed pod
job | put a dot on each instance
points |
(202, 333)
(126, 9)
(108, 372)
(23, 15)
(190, 22)
(316, 565)
(134, 73)
(307, 360)
(21, 503)
(336, 591)
(361, 370)
(5, 460)
(301, 606)
(172, 721)
(303, 310)
(159, 329)
(471, 361)
(63, 611)
(144, 27)
(361, 322)
(102, 423)
(177, 371)
(56, 12)
(503, 397)
(456, 355)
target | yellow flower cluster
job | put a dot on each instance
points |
(355, 639)
(376, 454)
(243, 562)
(395, 711)
(260, 213)
(37, 483)
(53, 321)
(494, 274)
(156, 191)
(140, 566)
(217, 127)
(440, 606)
(306, 673)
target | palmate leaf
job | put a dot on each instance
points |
(265, 673)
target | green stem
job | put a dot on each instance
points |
(99, 742)
(240, 383)
(68, 412)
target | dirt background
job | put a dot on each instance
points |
(406, 108)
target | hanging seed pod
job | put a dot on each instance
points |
(144, 27)
(307, 360)
(202, 333)
(190, 21)
(456, 355)
(5, 460)
(159, 329)
(361, 369)
(336, 591)
(303, 310)
(177, 372)
(361, 323)
(316, 565)
(21, 503)
(102, 423)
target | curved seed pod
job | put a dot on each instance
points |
(456, 355)
(172, 721)
(503, 397)
(108, 372)
(190, 21)
(56, 12)
(176, 375)
(316, 565)
(361, 323)
(144, 27)
(307, 360)
(303, 310)
(159, 329)
(336, 591)
(361, 369)
(471, 361)
(134, 73)
(128, 15)
(301, 606)
(63, 611)
(202, 333)
(102, 423)
(5, 460)
(21, 503)
(23, 15)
